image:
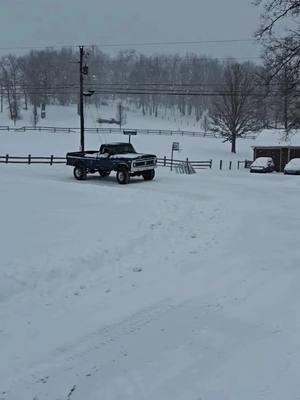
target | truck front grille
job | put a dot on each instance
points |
(144, 163)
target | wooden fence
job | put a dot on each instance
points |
(231, 165)
(55, 129)
(161, 162)
(7, 159)
(167, 162)
(180, 165)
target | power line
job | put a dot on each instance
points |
(135, 44)
(129, 92)
(176, 43)
(211, 88)
(136, 85)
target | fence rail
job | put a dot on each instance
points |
(7, 159)
(56, 129)
(167, 162)
(161, 162)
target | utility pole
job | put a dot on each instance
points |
(81, 111)
(1, 99)
(286, 102)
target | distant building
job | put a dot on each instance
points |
(275, 144)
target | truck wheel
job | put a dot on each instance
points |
(123, 176)
(149, 175)
(79, 172)
(104, 173)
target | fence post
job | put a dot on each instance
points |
(221, 163)
(51, 159)
(6, 158)
(29, 158)
(230, 165)
(238, 165)
(210, 166)
(165, 161)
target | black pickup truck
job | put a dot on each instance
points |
(119, 157)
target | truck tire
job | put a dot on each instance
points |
(123, 176)
(79, 172)
(149, 175)
(104, 173)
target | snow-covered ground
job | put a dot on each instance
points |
(195, 148)
(66, 116)
(183, 288)
(20, 143)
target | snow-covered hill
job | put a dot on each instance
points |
(66, 116)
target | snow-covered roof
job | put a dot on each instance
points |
(277, 138)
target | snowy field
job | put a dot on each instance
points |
(195, 148)
(20, 143)
(66, 116)
(183, 288)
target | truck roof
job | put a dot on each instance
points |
(115, 144)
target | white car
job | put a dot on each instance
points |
(263, 164)
(292, 167)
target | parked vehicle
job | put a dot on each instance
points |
(263, 164)
(292, 167)
(119, 157)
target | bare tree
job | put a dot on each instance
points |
(121, 115)
(51, 77)
(281, 102)
(286, 86)
(10, 72)
(1, 92)
(235, 113)
(281, 44)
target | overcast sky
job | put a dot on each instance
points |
(60, 22)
